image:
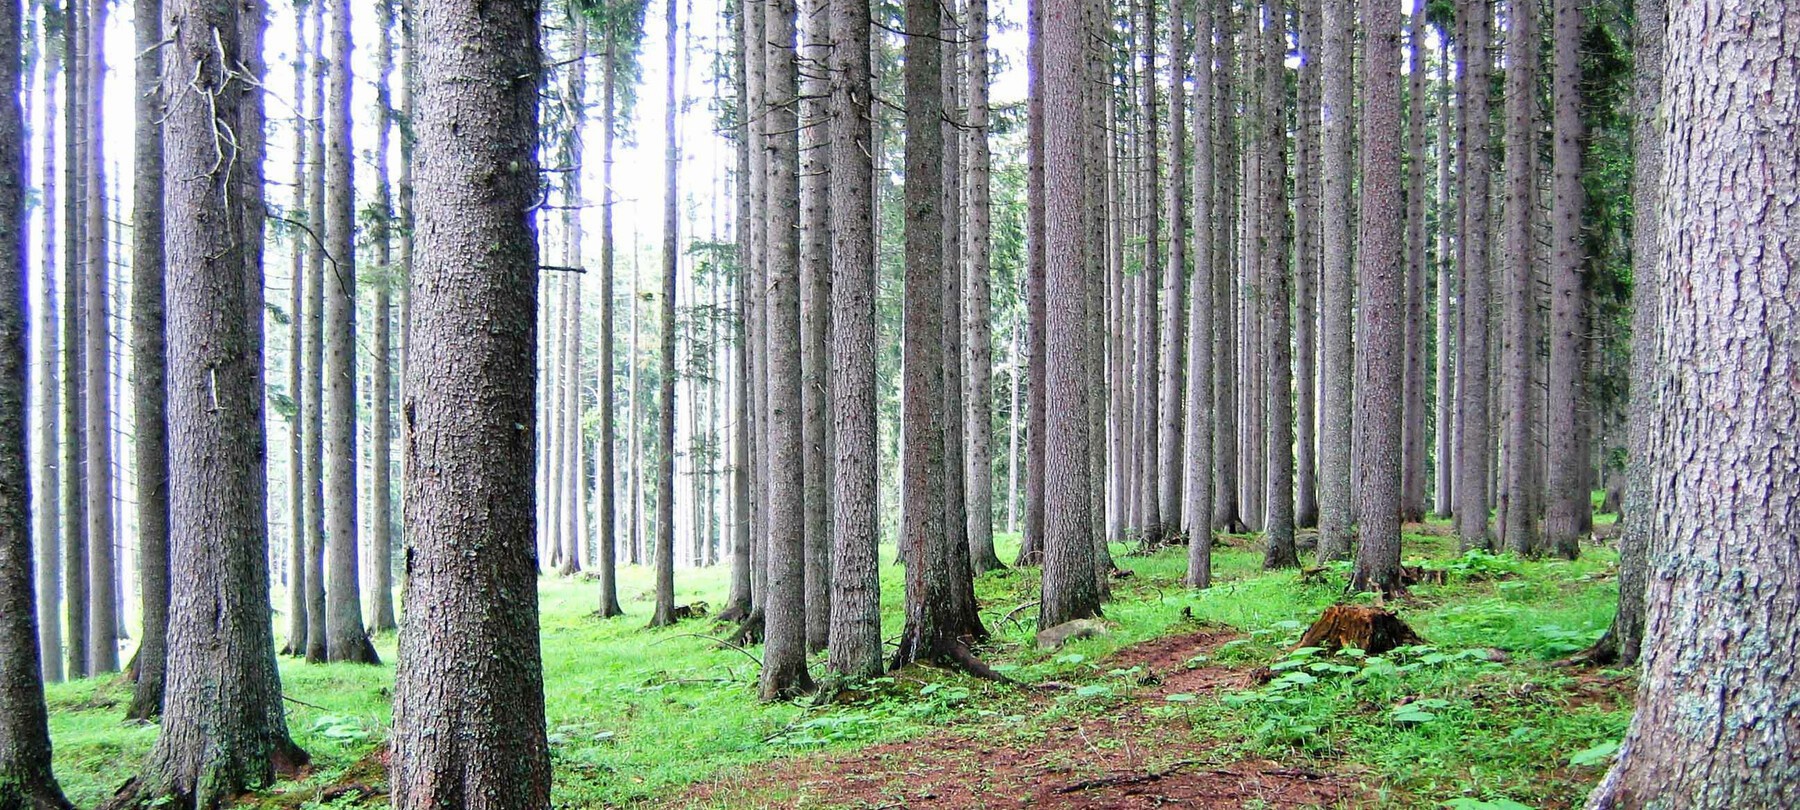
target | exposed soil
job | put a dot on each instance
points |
(1125, 758)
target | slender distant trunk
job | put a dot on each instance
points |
(756, 57)
(855, 644)
(1624, 639)
(25, 778)
(1380, 307)
(978, 413)
(815, 312)
(312, 397)
(606, 508)
(1474, 18)
(150, 435)
(1336, 289)
(1150, 530)
(1412, 420)
(1174, 346)
(1198, 510)
(1279, 514)
(381, 499)
(103, 573)
(1714, 725)
(46, 400)
(223, 731)
(300, 240)
(1031, 546)
(473, 736)
(1443, 437)
(345, 638)
(74, 360)
(574, 152)
(1516, 518)
(1014, 379)
(1568, 506)
(664, 613)
(1306, 270)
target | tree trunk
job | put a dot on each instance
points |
(103, 573)
(1337, 288)
(296, 473)
(855, 644)
(313, 397)
(1306, 270)
(815, 314)
(1412, 418)
(74, 377)
(978, 414)
(1279, 513)
(345, 638)
(1714, 726)
(1174, 346)
(1474, 18)
(1517, 518)
(1069, 590)
(46, 400)
(1381, 307)
(381, 499)
(1443, 437)
(1150, 530)
(1225, 512)
(473, 736)
(1568, 506)
(606, 509)
(1198, 510)
(574, 151)
(664, 613)
(25, 779)
(148, 360)
(223, 728)
(1031, 546)
(1624, 639)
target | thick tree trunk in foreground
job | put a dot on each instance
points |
(150, 436)
(468, 697)
(223, 730)
(1568, 509)
(855, 644)
(1070, 590)
(1625, 637)
(1279, 511)
(1381, 307)
(1336, 286)
(25, 779)
(1714, 725)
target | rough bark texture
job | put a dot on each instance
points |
(606, 507)
(103, 574)
(784, 604)
(1624, 639)
(74, 507)
(381, 348)
(223, 728)
(296, 473)
(1443, 444)
(855, 645)
(1336, 286)
(1031, 546)
(956, 515)
(150, 434)
(815, 313)
(312, 398)
(1517, 519)
(1568, 510)
(25, 779)
(1472, 453)
(1279, 511)
(468, 697)
(978, 413)
(1069, 590)
(1306, 271)
(1381, 307)
(1198, 511)
(1149, 502)
(1174, 346)
(664, 613)
(1714, 725)
(345, 639)
(1412, 419)
(46, 400)
(1225, 502)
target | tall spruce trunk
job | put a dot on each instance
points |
(664, 612)
(1174, 344)
(1225, 512)
(1568, 509)
(345, 637)
(1306, 270)
(223, 730)
(74, 360)
(312, 398)
(1714, 725)
(1031, 546)
(103, 572)
(978, 407)
(46, 398)
(381, 348)
(606, 508)
(1150, 529)
(25, 779)
(1198, 511)
(1336, 299)
(815, 313)
(1474, 18)
(855, 643)
(1517, 519)
(473, 736)
(1279, 512)
(1412, 412)
(149, 362)
(300, 242)
(1443, 416)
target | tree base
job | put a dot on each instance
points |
(1372, 630)
(39, 797)
(951, 652)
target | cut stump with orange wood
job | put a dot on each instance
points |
(1369, 629)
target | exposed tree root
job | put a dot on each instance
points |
(947, 651)
(750, 630)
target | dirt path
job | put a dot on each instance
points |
(1126, 758)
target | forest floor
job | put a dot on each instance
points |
(1192, 699)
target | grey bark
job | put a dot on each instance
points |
(1150, 528)
(1443, 438)
(815, 313)
(1337, 289)
(664, 612)
(1198, 511)
(1714, 727)
(1031, 545)
(1412, 416)
(74, 360)
(46, 400)
(1174, 344)
(1279, 551)
(472, 736)
(381, 347)
(1225, 513)
(606, 509)
(1568, 509)
(296, 473)
(1306, 270)
(103, 574)
(312, 398)
(1517, 519)
(1474, 17)
(978, 413)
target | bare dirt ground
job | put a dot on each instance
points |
(1125, 758)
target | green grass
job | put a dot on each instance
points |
(635, 715)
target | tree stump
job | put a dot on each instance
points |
(1369, 629)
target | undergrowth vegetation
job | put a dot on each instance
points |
(1478, 717)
